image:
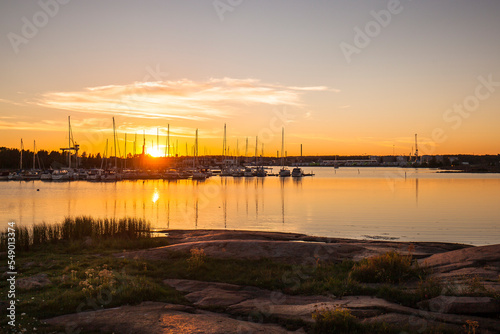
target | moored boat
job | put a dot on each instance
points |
(110, 176)
(248, 172)
(4, 176)
(260, 172)
(297, 172)
(171, 175)
(94, 175)
(60, 175)
(238, 172)
(198, 175)
(284, 172)
(31, 175)
(46, 175)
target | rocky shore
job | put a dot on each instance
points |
(217, 307)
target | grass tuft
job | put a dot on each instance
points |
(78, 228)
(391, 267)
(338, 320)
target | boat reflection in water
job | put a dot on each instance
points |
(378, 202)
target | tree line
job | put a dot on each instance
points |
(10, 158)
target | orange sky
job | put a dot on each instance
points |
(257, 68)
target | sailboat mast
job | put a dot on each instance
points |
(34, 153)
(125, 150)
(282, 145)
(168, 140)
(224, 147)
(105, 154)
(256, 146)
(143, 141)
(21, 157)
(114, 138)
(246, 149)
(135, 143)
(196, 149)
(69, 141)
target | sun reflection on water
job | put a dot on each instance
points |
(156, 196)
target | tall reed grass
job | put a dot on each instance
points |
(77, 228)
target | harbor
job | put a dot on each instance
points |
(153, 164)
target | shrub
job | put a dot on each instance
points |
(430, 288)
(390, 267)
(197, 258)
(339, 320)
(474, 286)
(470, 327)
(98, 279)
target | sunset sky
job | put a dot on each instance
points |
(342, 77)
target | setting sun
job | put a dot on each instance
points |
(155, 152)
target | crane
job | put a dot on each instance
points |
(70, 148)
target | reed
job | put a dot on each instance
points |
(77, 228)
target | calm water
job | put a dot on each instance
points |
(347, 202)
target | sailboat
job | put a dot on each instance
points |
(112, 175)
(259, 170)
(32, 174)
(197, 173)
(225, 169)
(284, 171)
(18, 175)
(68, 173)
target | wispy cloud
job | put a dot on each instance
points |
(12, 102)
(181, 99)
(104, 126)
(45, 125)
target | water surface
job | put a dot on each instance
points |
(381, 203)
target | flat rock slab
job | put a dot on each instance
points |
(463, 305)
(415, 323)
(283, 247)
(33, 282)
(245, 297)
(296, 252)
(183, 236)
(421, 249)
(154, 317)
(306, 253)
(482, 262)
(264, 304)
(478, 257)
